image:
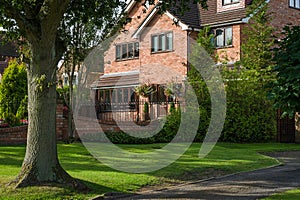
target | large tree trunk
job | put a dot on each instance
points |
(41, 163)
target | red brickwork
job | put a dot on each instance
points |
(18, 135)
(154, 67)
(61, 122)
(232, 53)
(283, 15)
(14, 135)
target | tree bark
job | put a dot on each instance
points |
(41, 163)
(40, 27)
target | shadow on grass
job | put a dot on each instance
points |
(54, 191)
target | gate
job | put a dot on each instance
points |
(285, 129)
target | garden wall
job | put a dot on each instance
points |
(13, 135)
(18, 135)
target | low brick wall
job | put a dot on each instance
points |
(13, 135)
(18, 135)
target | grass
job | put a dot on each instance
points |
(224, 159)
(290, 195)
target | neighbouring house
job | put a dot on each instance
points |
(63, 74)
(152, 49)
(227, 18)
(8, 51)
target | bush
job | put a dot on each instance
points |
(250, 116)
(22, 112)
(13, 92)
(11, 119)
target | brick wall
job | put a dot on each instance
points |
(154, 67)
(232, 53)
(283, 15)
(14, 135)
(61, 122)
(18, 135)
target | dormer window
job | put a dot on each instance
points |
(228, 2)
(294, 4)
(127, 51)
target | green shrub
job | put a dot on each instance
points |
(170, 128)
(11, 119)
(22, 112)
(250, 116)
(13, 91)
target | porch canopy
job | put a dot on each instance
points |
(117, 80)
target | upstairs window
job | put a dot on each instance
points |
(162, 42)
(127, 51)
(294, 4)
(228, 2)
(223, 37)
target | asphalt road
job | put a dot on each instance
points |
(247, 185)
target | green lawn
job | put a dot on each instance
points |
(290, 195)
(225, 158)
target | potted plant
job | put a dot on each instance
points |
(144, 90)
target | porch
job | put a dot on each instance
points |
(134, 111)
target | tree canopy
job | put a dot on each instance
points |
(285, 90)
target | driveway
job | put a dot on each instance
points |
(246, 185)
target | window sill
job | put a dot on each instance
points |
(294, 8)
(125, 59)
(229, 4)
(158, 52)
(225, 47)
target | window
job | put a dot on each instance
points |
(223, 37)
(66, 79)
(227, 2)
(127, 51)
(294, 3)
(116, 99)
(162, 42)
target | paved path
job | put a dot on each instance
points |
(248, 185)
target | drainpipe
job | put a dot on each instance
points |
(188, 49)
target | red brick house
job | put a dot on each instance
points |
(227, 18)
(154, 48)
(151, 49)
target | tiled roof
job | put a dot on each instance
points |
(117, 80)
(211, 17)
(190, 17)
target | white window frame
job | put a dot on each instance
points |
(122, 52)
(162, 42)
(294, 4)
(224, 37)
(229, 2)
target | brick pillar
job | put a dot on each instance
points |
(61, 122)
